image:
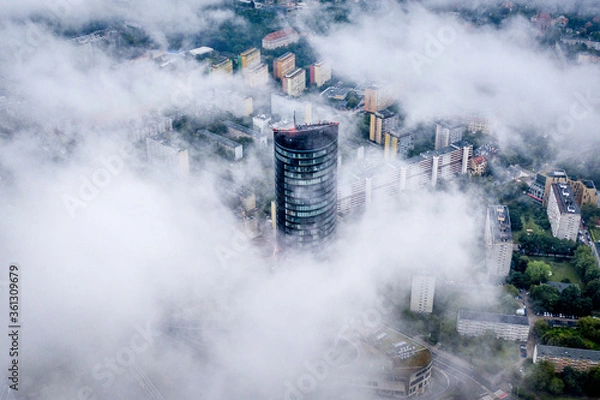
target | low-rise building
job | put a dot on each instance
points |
(233, 149)
(562, 357)
(539, 189)
(237, 131)
(389, 364)
(478, 165)
(281, 38)
(563, 212)
(507, 327)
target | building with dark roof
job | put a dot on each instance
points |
(562, 357)
(306, 185)
(237, 131)
(232, 148)
(508, 327)
(498, 241)
(563, 212)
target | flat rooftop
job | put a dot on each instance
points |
(567, 352)
(565, 199)
(500, 223)
(491, 317)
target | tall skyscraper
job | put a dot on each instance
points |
(306, 185)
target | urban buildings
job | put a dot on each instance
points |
(478, 165)
(238, 131)
(249, 58)
(165, 151)
(540, 188)
(397, 142)
(507, 327)
(232, 149)
(284, 64)
(479, 124)
(380, 182)
(562, 357)
(281, 38)
(389, 365)
(222, 66)
(584, 192)
(320, 73)
(563, 212)
(447, 133)
(257, 75)
(498, 241)
(378, 98)
(381, 122)
(294, 82)
(422, 292)
(305, 185)
(290, 109)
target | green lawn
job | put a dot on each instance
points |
(595, 232)
(560, 270)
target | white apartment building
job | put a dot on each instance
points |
(447, 133)
(162, 151)
(507, 327)
(498, 241)
(422, 292)
(563, 213)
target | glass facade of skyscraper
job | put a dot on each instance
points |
(306, 185)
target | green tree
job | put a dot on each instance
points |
(592, 291)
(573, 380)
(541, 375)
(537, 271)
(556, 385)
(589, 328)
(540, 327)
(567, 302)
(545, 297)
(592, 385)
(590, 213)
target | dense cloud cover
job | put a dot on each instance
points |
(142, 287)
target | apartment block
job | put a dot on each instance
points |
(540, 188)
(283, 65)
(381, 122)
(257, 76)
(498, 241)
(562, 357)
(238, 131)
(507, 327)
(422, 293)
(294, 82)
(249, 58)
(378, 98)
(385, 181)
(222, 66)
(447, 133)
(165, 151)
(320, 73)
(397, 142)
(584, 192)
(563, 212)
